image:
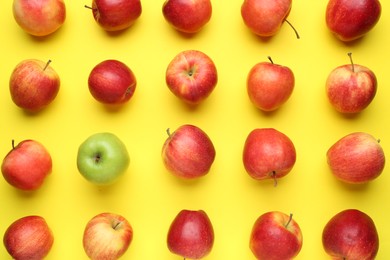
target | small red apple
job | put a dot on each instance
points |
(33, 84)
(349, 20)
(275, 236)
(116, 15)
(191, 234)
(188, 152)
(356, 158)
(191, 76)
(351, 234)
(188, 16)
(269, 85)
(351, 88)
(39, 17)
(112, 82)
(29, 237)
(268, 153)
(27, 165)
(107, 236)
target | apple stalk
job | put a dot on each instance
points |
(295, 30)
(350, 58)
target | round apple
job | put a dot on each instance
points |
(33, 84)
(350, 234)
(27, 165)
(39, 17)
(112, 82)
(187, 16)
(116, 15)
(275, 235)
(356, 158)
(269, 85)
(29, 237)
(191, 76)
(107, 236)
(102, 158)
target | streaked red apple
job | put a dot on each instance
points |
(356, 158)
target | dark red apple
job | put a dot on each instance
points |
(188, 16)
(188, 152)
(351, 234)
(112, 82)
(191, 234)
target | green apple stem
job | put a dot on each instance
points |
(88, 7)
(47, 65)
(270, 59)
(13, 144)
(168, 132)
(350, 58)
(289, 220)
(295, 30)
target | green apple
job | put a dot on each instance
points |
(102, 158)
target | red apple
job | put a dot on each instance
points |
(269, 85)
(188, 16)
(191, 76)
(349, 20)
(265, 17)
(351, 234)
(356, 158)
(188, 152)
(351, 88)
(112, 82)
(27, 165)
(116, 15)
(33, 84)
(268, 153)
(275, 236)
(107, 236)
(28, 238)
(191, 234)
(39, 17)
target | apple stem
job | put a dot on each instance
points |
(289, 220)
(13, 144)
(88, 7)
(270, 59)
(168, 132)
(295, 30)
(350, 58)
(275, 180)
(47, 65)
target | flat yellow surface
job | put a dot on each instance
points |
(150, 197)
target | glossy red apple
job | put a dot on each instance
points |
(356, 158)
(112, 82)
(191, 76)
(275, 236)
(188, 16)
(29, 237)
(33, 84)
(349, 20)
(191, 234)
(269, 85)
(351, 88)
(39, 17)
(116, 15)
(265, 17)
(107, 236)
(188, 152)
(351, 234)
(268, 154)
(27, 165)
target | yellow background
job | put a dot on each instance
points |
(150, 197)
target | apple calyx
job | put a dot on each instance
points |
(295, 30)
(352, 64)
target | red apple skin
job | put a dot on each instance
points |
(351, 88)
(356, 158)
(275, 236)
(269, 85)
(191, 234)
(187, 16)
(107, 236)
(351, 234)
(116, 15)
(112, 82)
(39, 17)
(188, 152)
(29, 237)
(27, 165)
(191, 76)
(33, 85)
(268, 153)
(349, 20)
(263, 17)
